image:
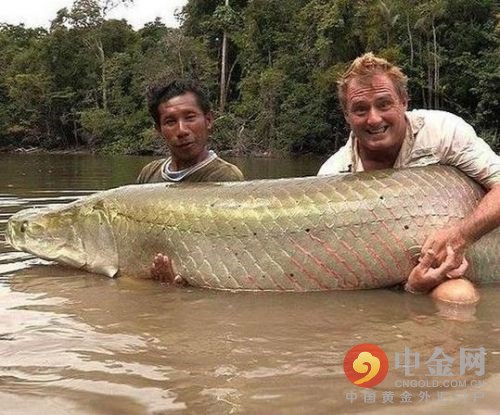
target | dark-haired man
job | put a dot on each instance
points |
(182, 115)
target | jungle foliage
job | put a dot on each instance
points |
(81, 83)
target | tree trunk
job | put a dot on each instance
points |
(222, 103)
(75, 126)
(436, 67)
(421, 63)
(228, 80)
(223, 91)
(429, 78)
(104, 88)
(410, 38)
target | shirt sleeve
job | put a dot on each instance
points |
(226, 173)
(340, 162)
(149, 171)
(469, 153)
(141, 179)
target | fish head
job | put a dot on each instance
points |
(77, 235)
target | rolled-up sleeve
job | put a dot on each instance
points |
(470, 153)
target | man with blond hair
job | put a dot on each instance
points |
(374, 98)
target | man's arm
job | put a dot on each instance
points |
(484, 218)
(460, 146)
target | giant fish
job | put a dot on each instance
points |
(353, 231)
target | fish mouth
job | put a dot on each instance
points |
(15, 232)
(9, 237)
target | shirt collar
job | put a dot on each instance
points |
(178, 175)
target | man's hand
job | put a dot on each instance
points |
(440, 240)
(424, 277)
(162, 269)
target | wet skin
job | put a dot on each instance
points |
(444, 280)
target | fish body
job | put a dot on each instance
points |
(353, 231)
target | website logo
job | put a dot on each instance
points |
(366, 365)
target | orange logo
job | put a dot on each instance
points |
(366, 365)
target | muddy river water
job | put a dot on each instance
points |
(78, 343)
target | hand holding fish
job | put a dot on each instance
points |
(162, 269)
(424, 277)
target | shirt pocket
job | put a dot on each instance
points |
(424, 157)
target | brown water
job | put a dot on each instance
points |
(77, 343)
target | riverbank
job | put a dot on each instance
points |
(30, 149)
(159, 152)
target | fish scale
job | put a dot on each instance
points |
(354, 231)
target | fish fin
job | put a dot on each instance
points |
(108, 270)
(100, 246)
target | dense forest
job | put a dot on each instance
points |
(269, 65)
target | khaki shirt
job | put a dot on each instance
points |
(433, 137)
(217, 170)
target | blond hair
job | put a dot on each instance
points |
(364, 68)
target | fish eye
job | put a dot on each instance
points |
(24, 226)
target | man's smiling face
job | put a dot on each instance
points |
(185, 128)
(376, 113)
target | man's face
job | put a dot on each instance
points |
(376, 114)
(185, 128)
